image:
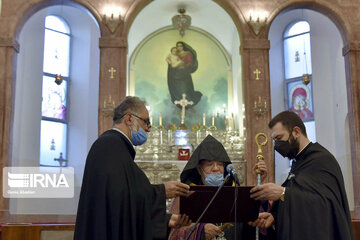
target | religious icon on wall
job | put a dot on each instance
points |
(300, 99)
(164, 66)
(182, 62)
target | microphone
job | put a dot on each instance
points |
(232, 170)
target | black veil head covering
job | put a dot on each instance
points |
(209, 149)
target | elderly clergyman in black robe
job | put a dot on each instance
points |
(117, 200)
(311, 203)
(207, 166)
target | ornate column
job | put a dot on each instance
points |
(112, 82)
(351, 54)
(9, 47)
(256, 82)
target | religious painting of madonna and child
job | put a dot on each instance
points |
(166, 68)
(300, 99)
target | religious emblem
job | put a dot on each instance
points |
(257, 72)
(61, 160)
(52, 146)
(183, 103)
(184, 154)
(112, 71)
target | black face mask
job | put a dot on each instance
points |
(287, 149)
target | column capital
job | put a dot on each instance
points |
(10, 42)
(113, 42)
(255, 44)
(351, 46)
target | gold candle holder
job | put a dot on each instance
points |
(260, 107)
(108, 107)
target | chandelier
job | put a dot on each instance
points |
(181, 21)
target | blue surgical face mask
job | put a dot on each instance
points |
(214, 179)
(138, 137)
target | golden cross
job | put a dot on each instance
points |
(257, 72)
(112, 71)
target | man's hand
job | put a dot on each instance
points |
(267, 191)
(174, 189)
(177, 221)
(265, 220)
(261, 165)
(211, 231)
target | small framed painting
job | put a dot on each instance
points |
(299, 99)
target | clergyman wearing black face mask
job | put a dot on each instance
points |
(312, 202)
(288, 148)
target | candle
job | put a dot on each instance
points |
(204, 119)
(161, 137)
(169, 136)
(160, 119)
(255, 105)
(265, 104)
(259, 100)
(232, 123)
(213, 120)
(151, 119)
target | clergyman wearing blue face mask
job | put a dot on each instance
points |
(116, 194)
(207, 166)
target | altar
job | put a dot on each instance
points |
(158, 157)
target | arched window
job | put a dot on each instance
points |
(54, 119)
(298, 72)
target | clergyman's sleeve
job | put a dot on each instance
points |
(158, 213)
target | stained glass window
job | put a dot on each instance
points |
(56, 52)
(53, 137)
(297, 50)
(297, 63)
(53, 142)
(53, 99)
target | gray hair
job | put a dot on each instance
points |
(129, 104)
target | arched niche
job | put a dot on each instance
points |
(82, 108)
(329, 82)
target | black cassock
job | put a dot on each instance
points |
(315, 206)
(117, 200)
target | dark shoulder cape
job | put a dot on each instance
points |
(208, 149)
(315, 206)
(117, 200)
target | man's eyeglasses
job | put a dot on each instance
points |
(146, 121)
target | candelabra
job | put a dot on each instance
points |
(112, 23)
(109, 106)
(260, 107)
(259, 23)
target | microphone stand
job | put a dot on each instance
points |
(235, 176)
(211, 200)
(235, 201)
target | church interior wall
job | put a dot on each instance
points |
(82, 102)
(329, 87)
(11, 15)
